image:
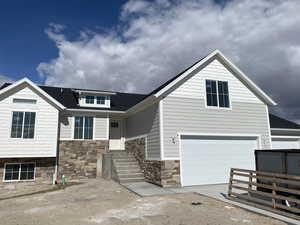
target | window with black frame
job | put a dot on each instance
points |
(217, 94)
(83, 127)
(23, 124)
(19, 172)
(89, 99)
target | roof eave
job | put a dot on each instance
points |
(33, 85)
(285, 129)
(95, 110)
(261, 93)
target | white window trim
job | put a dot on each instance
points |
(35, 125)
(19, 180)
(82, 139)
(217, 107)
(82, 101)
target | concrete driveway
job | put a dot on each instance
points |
(107, 203)
(216, 191)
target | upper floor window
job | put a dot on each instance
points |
(23, 124)
(101, 100)
(217, 94)
(83, 128)
(89, 99)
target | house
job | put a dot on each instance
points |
(285, 134)
(189, 131)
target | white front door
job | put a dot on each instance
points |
(208, 159)
(115, 135)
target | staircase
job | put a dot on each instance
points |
(126, 167)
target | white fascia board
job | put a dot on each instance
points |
(95, 92)
(258, 91)
(95, 111)
(284, 129)
(34, 86)
(285, 137)
(247, 80)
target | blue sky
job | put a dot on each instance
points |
(23, 42)
(135, 45)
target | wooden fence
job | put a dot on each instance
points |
(269, 191)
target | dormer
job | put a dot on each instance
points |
(101, 99)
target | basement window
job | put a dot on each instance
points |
(19, 172)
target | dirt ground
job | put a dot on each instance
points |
(107, 203)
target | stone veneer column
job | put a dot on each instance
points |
(81, 159)
(163, 173)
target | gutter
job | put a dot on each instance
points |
(284, 129)
(95, 110)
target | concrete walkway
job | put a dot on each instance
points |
(217, 191)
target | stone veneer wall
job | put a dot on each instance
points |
(164, 173)
(81, 159)
(44, 168)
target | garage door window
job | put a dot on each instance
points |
(19, 172)
(217, 94)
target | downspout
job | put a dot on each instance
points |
(54, 181)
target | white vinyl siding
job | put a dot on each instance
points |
(285, 143)
(67, 127)
(185, 110)
(44, 143)
(188, 115)
(146, 122)
(195, 86)
(101, 128)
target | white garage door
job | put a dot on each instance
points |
(207, 160)
(279, 143)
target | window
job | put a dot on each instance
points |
(24, 101)
(114, 124)
(89, 99)
(23, 125)
(83, 128)
(19, 171)
(223, 94)
(217, 94)
(100, 100)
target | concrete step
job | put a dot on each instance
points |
(129, 171)
(127, 167)
(131, 180)
(126, 164)
(131, 176)
(125, 160)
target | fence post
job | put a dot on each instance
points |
(274, 193)
(230, 182)
(250, 185)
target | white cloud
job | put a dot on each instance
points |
(5, 79)
(157, 39)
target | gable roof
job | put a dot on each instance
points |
(277, 122)
(187, 72)
(68, 98)
(25, 80)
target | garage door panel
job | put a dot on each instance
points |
(207, 160)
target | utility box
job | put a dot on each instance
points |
(285, 161)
